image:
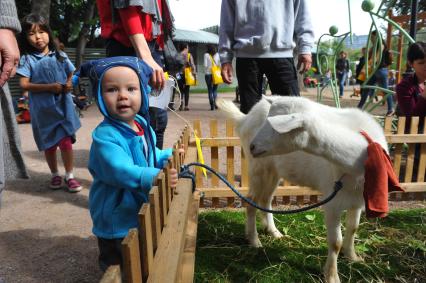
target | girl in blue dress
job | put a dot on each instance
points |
(46, 73)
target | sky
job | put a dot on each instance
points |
(197, 14)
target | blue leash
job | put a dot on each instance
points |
(187, 174)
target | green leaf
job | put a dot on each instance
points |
(310, 217)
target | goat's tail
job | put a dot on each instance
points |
(230, 110)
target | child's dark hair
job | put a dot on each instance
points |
(182, 46)
(211, 49)
(27, 24)
(416, 51)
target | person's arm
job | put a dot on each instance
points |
(132, 24)
(304, 33)
(25, 84)
(226, 38)
(9, 51)
(192, 63)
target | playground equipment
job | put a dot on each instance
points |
(381, 13)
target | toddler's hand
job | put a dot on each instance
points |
(173, 177)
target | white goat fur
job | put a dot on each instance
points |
(328, 146)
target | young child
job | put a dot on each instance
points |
(46, 74)
(410, 92)
(123, 158)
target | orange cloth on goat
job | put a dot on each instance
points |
(380, 179)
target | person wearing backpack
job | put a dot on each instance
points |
(380, 77)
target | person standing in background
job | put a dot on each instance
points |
(138, 28)
(210, 57)
(183, 86)
(342, 69)
(262, 36)
(11, 160)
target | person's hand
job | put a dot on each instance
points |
(227, 72)
(304, 63)
(173, 177)
(9, 55)
(157, 77)
(67, 87)
(56, 88)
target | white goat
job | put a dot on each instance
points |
(317, 146)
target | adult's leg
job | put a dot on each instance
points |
(249, 76)
(281, 74)
(382, 81)
(210, 90)
(186, 92)
(214, 88)
(158, 121)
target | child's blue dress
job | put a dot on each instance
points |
(53, 116)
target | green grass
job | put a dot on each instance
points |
(394, 249)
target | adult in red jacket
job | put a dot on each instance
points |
(137, 28)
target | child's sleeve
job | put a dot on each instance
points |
(163, 155)
(69, 66)
(24, 68)
(110, 163)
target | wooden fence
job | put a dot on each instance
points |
(162, 249)
(223, 153)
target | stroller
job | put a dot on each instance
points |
(81, 100)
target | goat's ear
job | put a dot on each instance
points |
(286, 123)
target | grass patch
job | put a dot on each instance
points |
(394, 249)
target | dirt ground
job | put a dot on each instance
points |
(45, 235)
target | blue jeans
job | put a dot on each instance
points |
(212, 89)
(342, 76)
(380, 78)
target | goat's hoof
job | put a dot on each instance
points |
(332, 279)
(355, 258)
(255, 243)
(276, 234)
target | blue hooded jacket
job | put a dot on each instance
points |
(122, 173)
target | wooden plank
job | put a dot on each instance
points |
(170, 249)
(218, 142)
(230, 160)
(131, 257)
(146, 235)
(163, 197)
(422, 161)
(280, 191)
(398, 147)
(413, 187)
(411, 150)
(112, 275)
(406, 138)
(154, 201)
(198, 171)
(214, 154)
(188, 260)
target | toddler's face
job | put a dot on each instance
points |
(419, 67)
(122, 94)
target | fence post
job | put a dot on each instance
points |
(112, 275)
(131, 257)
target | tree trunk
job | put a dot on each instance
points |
(84, 33)
(41, 7)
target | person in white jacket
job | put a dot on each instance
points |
(211, 57)
(262, 36)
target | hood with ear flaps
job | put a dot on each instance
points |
(95, 71)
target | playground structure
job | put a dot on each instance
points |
(399, 23)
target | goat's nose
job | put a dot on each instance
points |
(252, 147)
